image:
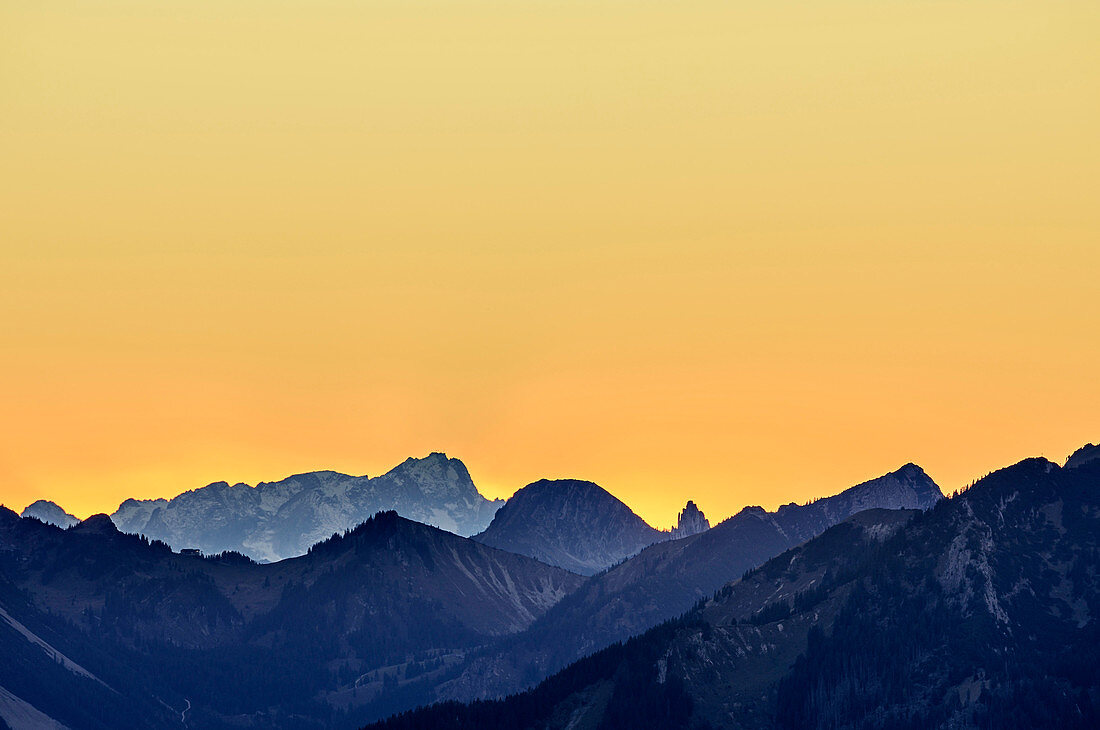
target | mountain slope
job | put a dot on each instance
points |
(336, 631)
(276, 520)
(978, 613)
(49, 512)
(640, 684)
(666, 579)
(573, 524)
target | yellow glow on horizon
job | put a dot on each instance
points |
(743, 253)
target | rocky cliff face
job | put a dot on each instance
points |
(691, 521)
(49, 512)
(572, 524)
(276, 520)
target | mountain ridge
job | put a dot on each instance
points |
(666, 578)
(276, 520)
(970, 614)
(332, 628)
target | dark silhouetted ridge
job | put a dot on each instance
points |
(1083, 455)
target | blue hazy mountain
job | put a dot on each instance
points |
(276, 520)
(49, 512)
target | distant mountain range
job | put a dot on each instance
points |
(691, 521)
(276, 520)
(981, 612)
(571, 524)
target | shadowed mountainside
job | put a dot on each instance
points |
(970, 615)
(309, 641)
(666, 579)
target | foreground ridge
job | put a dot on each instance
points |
(971, 614)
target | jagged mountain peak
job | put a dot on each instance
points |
(131, 502)
(49, 512)
(691, 521)
(435, 457)
(437, 470)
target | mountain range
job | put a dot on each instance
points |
(383, 617)
(882, 606)
(983, 611)
(668, 577)
(568, 523)
(277, 520)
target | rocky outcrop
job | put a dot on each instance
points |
(691, 521)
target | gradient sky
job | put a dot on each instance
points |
(740, 252)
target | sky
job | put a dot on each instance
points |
(731, 251)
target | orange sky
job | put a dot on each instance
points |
(730, 251)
